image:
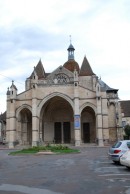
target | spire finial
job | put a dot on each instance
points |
(70, 38)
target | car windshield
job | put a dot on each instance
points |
(128, 145)
(117, 145)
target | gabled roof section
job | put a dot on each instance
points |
(59, 70)
(13, 86)
(86, 69)
(125, 107)
(3, 116)
(106, 88)
(39, 70)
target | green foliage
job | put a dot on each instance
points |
(127, 130)
(52, 148)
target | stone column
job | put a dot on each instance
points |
(7, 119)
(11, 124)
(77, 126)
(35, 121)
(99, 122)
(77, 130)
(105, 125)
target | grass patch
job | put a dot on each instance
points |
(52, 148)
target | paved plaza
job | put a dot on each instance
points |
(87, 172)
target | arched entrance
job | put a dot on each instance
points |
(25, 127)
(56, 121)
(88, 125)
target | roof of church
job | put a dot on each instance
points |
(105, 87)
(125, 107)
(13, 86)
(39, 70)
(86, 69)
(71, 47)
(71, 65)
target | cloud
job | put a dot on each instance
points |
(34, 29)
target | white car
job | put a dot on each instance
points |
(118, 149)
(125, 159)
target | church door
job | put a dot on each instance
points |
(57, 132)
(66, 132)
(86, 132)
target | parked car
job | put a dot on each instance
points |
(118, 149)
(125, 159)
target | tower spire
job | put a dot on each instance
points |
(70, 50)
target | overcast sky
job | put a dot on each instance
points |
(39, 29)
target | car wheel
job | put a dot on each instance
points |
(128, 167)
(116, 162)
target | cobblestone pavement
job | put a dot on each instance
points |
(87, 172)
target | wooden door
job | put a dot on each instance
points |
(66, 132)
(86, 132)
(57, 132)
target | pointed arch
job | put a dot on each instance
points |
(88, 123)
(24, 125)
(22, 107)
(90, 105)
(67, 98)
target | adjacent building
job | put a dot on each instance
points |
(2, 128)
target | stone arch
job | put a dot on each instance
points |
(88, 123)
(22, 107)
(56, 120)
(67, 98)
(24, 125)
(90, 105)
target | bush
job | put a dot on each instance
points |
(54, 148)
(127, 130)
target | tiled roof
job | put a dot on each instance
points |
(86, 69)
(71, 65)
(125, 107)
(39, 70)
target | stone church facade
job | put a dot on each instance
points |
(71, 105)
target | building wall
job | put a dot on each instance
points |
(86, 94)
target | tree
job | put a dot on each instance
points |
(127, 130)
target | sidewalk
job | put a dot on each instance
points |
(2, 147)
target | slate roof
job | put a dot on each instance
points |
(71, 47)
(86, 69)
(125, 107)
(105, 87)
(3, 116)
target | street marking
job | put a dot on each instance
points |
(118, 179)
(105, 162)
(114, 175)
(25, 189)
(113, 167)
